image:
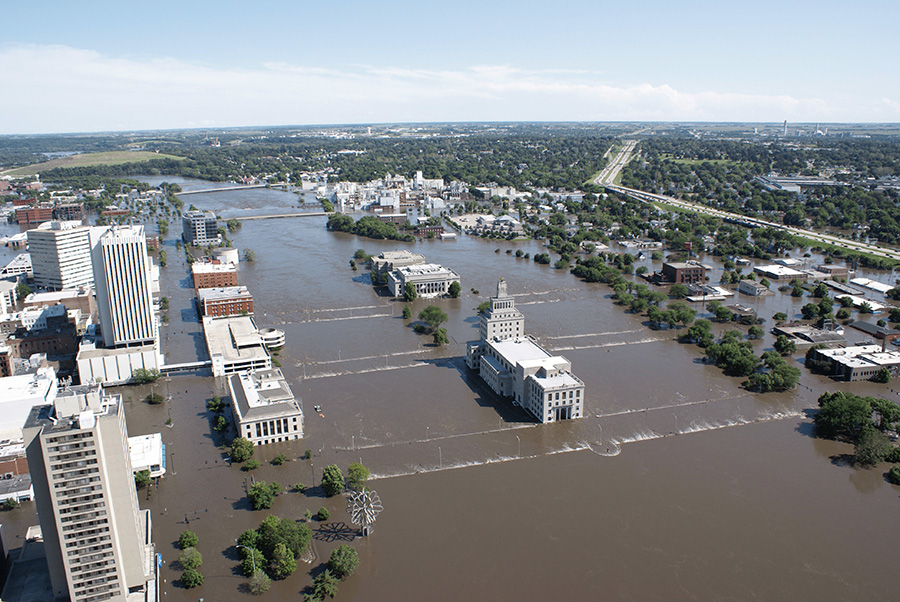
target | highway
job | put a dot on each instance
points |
(846, 243)
(611, 171)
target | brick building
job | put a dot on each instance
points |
(34, 215)
(213, 275)
(225, 302)
(683, 273)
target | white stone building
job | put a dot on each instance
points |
(515, 366)
(265, 410)
(430, 279)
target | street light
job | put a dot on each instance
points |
(520, 445)
(249, 551)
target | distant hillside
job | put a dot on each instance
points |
(89, 160)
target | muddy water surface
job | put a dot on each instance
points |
(678, 484)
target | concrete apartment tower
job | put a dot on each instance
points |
(502, 320)
(122, 280)
(96, 538)
(61, 256)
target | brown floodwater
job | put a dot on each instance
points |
(677, 484)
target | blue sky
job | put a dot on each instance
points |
(91, 66)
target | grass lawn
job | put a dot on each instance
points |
(89, 160)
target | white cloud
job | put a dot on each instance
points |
(63, 89)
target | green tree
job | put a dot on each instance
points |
(22, 291)
(191, 578)
(142, 376)
(843, 415)
(723, 314)
(433, 316)
(454, 290)
(357, 474)
(154, 399)
(894, 475)
(283, 563)
(273, 531)
(872, 446)
(249, 538)
(343, 561)
(780, 317)
(279, 459)
(810, 311)
(678, 291)
(332, 480)
(883, 376)
(252, 464)
(843, 313)
(407, 312)
(259, 583)
(409, 292)
(262, 494)
(241, 449)
(188, 539)
(785, 346)
(323, 514)
(249, 255)
(755, 332)
(253, 560)
(325, 585)
(190, 558)
(141, 478)
(440, 337)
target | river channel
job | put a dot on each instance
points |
(677, 485)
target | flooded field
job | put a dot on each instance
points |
(677, 485)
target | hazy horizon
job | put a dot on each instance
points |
(100, 67)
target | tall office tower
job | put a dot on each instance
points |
(122, 281)
(96, 538)
(61, 256)
(200, 228)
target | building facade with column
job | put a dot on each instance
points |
(430, 279)
(265, 409)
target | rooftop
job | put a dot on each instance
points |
(235, 339)
(226, 292)
(520, 351)
(262, 393)
(205, 267)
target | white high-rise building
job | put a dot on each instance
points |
(122, 275)
(96, 538)
(61, 256)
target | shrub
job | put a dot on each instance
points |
(894, 475)
(323, 514)
(251, 465)
(259, 583)
(241, 449)
(343, 561)
(190, 558)
(191, 578)
(262, 494)
(188, 539)
(356, 475)
(299, 487)
(279, 459)
(154, 399)
(332, 480)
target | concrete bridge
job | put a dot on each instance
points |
(223, 189)
(283, 215)
(185, 367)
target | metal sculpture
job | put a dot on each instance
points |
(364, 507)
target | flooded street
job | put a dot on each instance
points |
(677, 485)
